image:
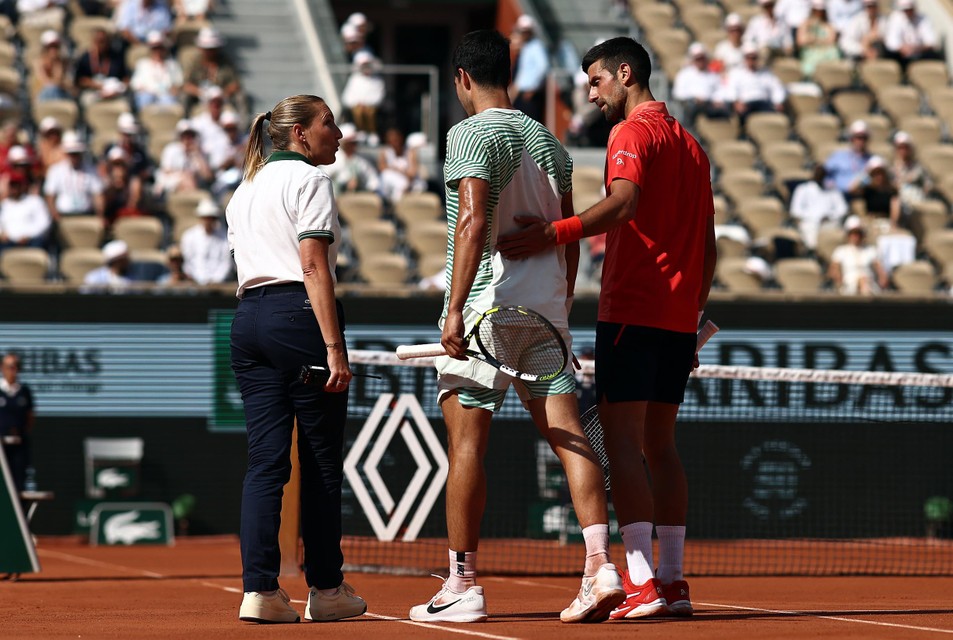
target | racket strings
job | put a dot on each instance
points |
(593, 430)
(522, 342)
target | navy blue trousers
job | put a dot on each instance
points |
(274, 333)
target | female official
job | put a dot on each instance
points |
(283, 230)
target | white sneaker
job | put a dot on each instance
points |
(597, 597)
(449, 606)
(267, 606)
(342, 604)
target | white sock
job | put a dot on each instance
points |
(597, 543)
(637, 537)
(671, 553)
(462, 570)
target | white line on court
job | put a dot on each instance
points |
(149, 574)
(820, 615)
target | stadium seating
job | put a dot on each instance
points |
(373, 237)
(733, 274)
(799, 275)
(360, 207)
(386, 269)
(418, 207)
(917, 277)
(80, 231)
(76, 263)
(143, 232)
(24, 265)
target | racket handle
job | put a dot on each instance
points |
(406, 351)
(705, 334)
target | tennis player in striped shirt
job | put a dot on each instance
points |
(501, 163)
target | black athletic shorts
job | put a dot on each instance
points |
(636, 363)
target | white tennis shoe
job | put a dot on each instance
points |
(449, 606)
(343, 603)
(267, 606)
(597, 597)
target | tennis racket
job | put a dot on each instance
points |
(516, 340)
(590, 419)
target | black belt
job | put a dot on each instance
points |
(271, 289)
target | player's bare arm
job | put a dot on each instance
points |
(468, 241)
(618, 207)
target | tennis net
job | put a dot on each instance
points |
(791, 472)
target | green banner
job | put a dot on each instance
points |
(113, 523)
(17, 554)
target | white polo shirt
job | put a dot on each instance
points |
(287, 201)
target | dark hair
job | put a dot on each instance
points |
(485, 56)
(614, 52)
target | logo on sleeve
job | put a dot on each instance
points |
(621, 152)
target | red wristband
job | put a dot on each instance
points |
(568, 230)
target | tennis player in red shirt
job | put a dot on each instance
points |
(660, 258)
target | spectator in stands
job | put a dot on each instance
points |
(354, 41)
(840, 12)
(204, 247)
(816, 39)
(176, 274)
(9, 138)
(878, 193)
(229, 174)
(122, 192)
(844, 166)
(17, 418)
(854, 267)
(530, 70)
(102, 60)
(49, 147)
(158, 76)
(24, 218)
(72, 187)
(49, 80)
(398, 167)
(183, 166)
(698, 89)
(727, 54)
(911, 178)
(351, 171)
(792, 12)
(752, 88)
(363, 94)
(816, 203)
(211, 69)
(20, 160)
(769, 34)
(211, 132)
(192, 10)
(113, 276)
(359, 21)
(140, 164)
(909, 35)
(863, 37)
(135, 19)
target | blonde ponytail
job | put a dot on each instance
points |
(255, 152)
(292, 110)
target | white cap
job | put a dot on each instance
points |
(348, 132)
(749, 48)
(903, 5)
(228, 119)
(859, 128)
(208, 38)
(49, 123)
(525, 23)
(358, 19)
(902, 137)
(363, 57)
(875, 162)
(416, 140)
(18, 155)
(350, 33)
(112, 87)
(126, 123)
(72, 143)
(854, 223)
(184, 125)
(49, 37)
(697, 50)
(214, 92)
(116, 154)
(115, 249)
(757, 266)
(818, 4)
(207, 209)
(734, 20)
(155, 39)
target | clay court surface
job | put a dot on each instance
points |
(193, 590)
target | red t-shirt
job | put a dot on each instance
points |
(652, 273)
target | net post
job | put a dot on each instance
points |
(289, 535)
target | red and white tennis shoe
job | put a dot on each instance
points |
(450, 606)
(640, 601)
(677, 602)
(598, 595)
